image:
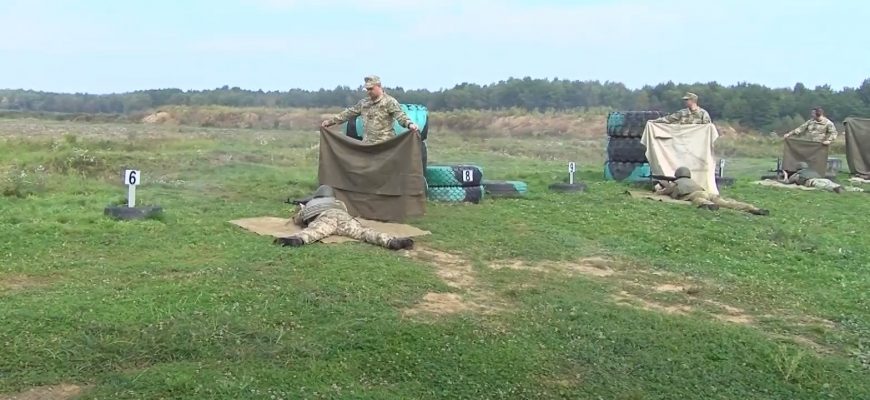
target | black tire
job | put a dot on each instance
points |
(619, 171)
(424, 149)
(455, 194)
(424, 133)
(505, 188)
(351, 129)
(568, 188)
(626, 150)
(454, 175)
(125, 213)
(629, 124)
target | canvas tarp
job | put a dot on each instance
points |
(813, 153)
(382, 181)
(657, 197)
(858, 145)
(282, 227)
(670, 146)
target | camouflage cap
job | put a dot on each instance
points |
(690, 95)
(372, 81)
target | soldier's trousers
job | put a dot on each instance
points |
(821, 183)
(339, 222)
(700, 198)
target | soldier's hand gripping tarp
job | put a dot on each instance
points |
(813, 153)
(858, 146)
(671, 146)
(381, 182)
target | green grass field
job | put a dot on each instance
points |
(577, 296)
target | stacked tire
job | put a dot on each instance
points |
(626, 155)
(454, 183)
(508, 189)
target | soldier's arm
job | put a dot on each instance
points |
(395, 111)
(667, 188)
(792, 179)
(297, 218)
(800, 129)
(669, 119)
(831, 132)
(705, 119)
(352, 111)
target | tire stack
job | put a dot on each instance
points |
(454, 183)
(508, 189)
(626, 155)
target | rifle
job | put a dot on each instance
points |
(660, 178)
(298, 201)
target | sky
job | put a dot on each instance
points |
(113, 46)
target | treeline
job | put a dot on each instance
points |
(751, 105)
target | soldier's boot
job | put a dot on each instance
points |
(400, 243)
(291, 241)
(760, 211)
(838, 190)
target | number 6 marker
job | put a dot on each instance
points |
(132, 177)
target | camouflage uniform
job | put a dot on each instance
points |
(684, 188)
(324, 215)
(817, 131)
(805, 176)
(686, 116)
(378, 115)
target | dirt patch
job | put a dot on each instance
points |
(457, 273)
(439, 304)
(454, 270)
(625, 298)
(9, 283)
(592, 266)
(55, 392)
(670, 288)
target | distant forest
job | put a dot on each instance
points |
(752, 105)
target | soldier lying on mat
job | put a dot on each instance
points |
(324, 215)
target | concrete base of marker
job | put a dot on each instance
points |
(132, 213)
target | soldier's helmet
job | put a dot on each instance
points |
(802, 165)
(324, 191)
(682, 172)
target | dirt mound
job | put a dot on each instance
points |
(159, 118)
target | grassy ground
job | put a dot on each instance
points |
(582, 296)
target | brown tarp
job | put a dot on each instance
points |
(657, 197)
(281, 227)
(813, 153)
(382, 181)
(858, 145)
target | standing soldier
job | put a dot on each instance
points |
(818, 128)
(692, 114)
(684, 188)
(379, 111)
(324, 215)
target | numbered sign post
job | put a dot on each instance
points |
(132, 177)
(467, 175)
(571, 168)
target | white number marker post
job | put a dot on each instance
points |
(571, 169)
(132, 177)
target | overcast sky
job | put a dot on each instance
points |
(102, 46)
